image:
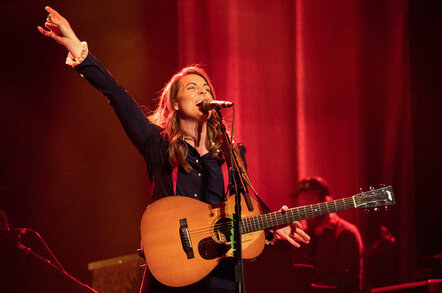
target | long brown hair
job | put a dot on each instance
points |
(165, 116)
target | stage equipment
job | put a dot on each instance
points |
(426, 286)
(23, 270)
(121, 274)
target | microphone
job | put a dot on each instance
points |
(207, 105)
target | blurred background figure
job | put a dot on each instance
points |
(380, 260)
(332, 262)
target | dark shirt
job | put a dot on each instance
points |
(204, 182)
(336, 256)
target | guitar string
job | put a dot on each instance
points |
(275, 220)
(309, 211)
(262, 219)
(209, 230)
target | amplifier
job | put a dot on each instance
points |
(121, 274)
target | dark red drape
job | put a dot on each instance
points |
(320, 88)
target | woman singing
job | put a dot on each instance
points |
(180, 142)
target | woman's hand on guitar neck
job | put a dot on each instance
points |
(292, 232)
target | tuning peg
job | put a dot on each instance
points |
(360, 189)
(366, 211)
(371, 188)
(382, 185)
(386, 208)
(376, 209)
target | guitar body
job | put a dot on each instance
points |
(184, 239)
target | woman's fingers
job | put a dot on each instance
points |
(293, 232)
(284, 208)
(54, 29)
(55, 17)
(300, 235)
(297, 224)
(52, 19)
(53, 12)
(297, 230)
(43, 31)
(293, 242)
(54, 25)
(52, 32)
(50, 25)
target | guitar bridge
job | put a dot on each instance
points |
(185, 239)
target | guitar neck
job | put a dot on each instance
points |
(269, 220)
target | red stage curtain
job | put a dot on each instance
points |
(320, 88)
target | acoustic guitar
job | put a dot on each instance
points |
(184, 239)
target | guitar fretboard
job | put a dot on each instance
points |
(269, 220)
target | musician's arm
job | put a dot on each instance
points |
(135, 123)
(131, 116)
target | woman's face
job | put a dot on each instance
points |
(192, 90)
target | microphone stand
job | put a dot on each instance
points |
(240, 188)
(56, 265)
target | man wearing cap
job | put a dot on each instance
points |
(334, 255)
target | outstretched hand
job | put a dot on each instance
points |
(292, 232)
(60, 31)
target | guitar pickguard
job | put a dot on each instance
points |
(210, 249)
(219, 244)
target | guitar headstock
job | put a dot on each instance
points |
(375, 197)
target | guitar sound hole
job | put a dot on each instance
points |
(223, 231)
(219, 244)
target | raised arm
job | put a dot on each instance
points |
(132, 118)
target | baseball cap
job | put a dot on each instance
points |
(312, 183)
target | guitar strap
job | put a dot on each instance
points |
(226, 177)
(265, 209)
(174, 178)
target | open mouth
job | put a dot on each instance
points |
(200, 102)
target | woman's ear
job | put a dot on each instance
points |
(175, 106)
